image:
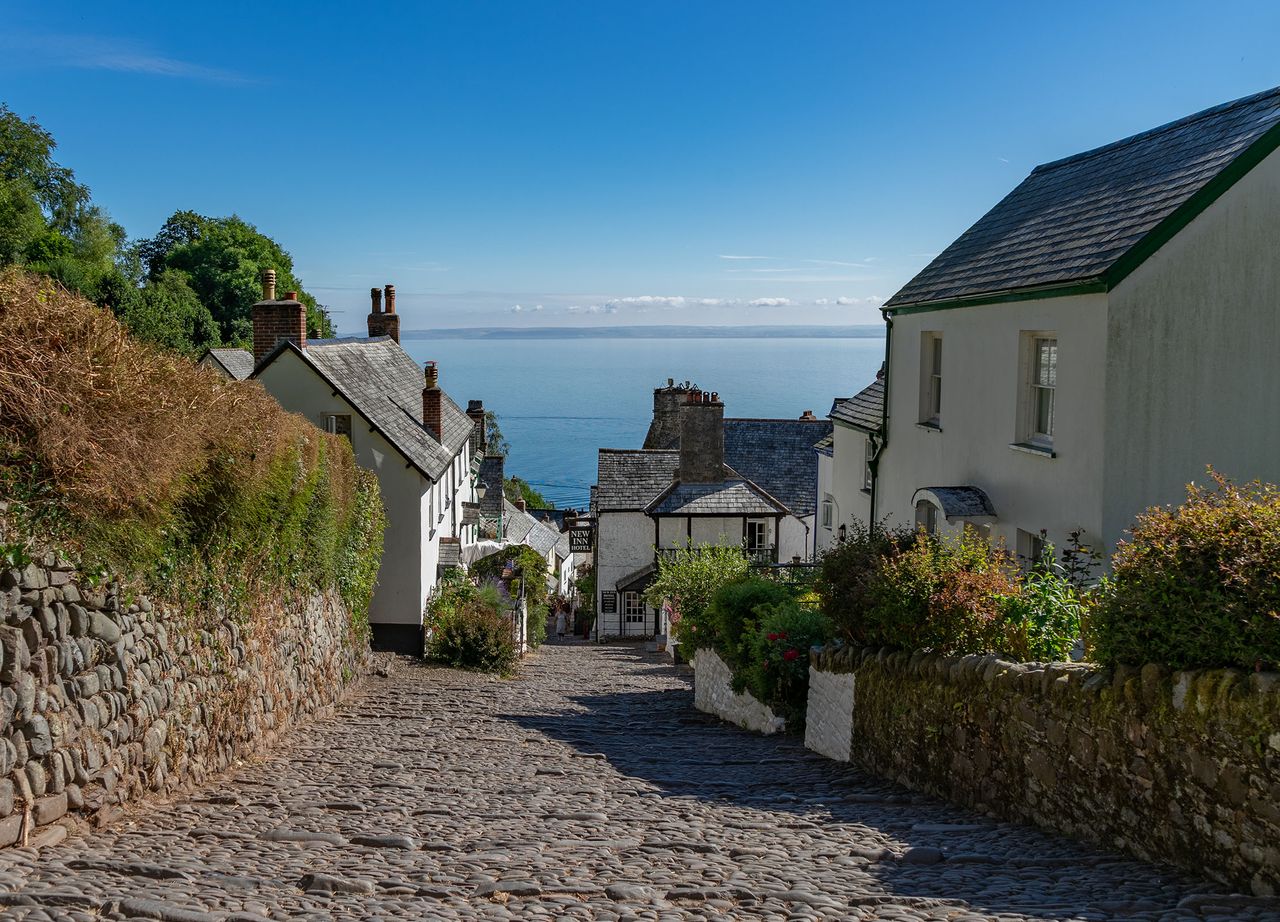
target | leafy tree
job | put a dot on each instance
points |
(688, 578)
(223, 259)
(27, 167)
(168, 313)
(496, 444)
(514, 488)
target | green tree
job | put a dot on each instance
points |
(514, 488)
(223, 259)
(496, 444)
(688, 578)
(167, 312)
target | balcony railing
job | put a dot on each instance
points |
(765, 553)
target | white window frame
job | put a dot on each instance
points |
(633, 608)
(1030, 547)
(1035, 388)
(868, 453)
(931, 379)
(763, 526)
(828, 513)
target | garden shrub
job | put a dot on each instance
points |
(777, 672)
(475, 636)
(1044, 619)
(529, 566)
(538, 615)
(943, 596)
(848, 571)
(1197, 585)
(732, 616)
(687, 579)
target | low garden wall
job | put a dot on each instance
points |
(104, 699)
(713, 693)
(1171, 766)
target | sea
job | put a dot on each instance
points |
(558, 400)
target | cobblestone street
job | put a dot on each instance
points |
(589, 788)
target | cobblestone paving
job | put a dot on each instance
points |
(587, 789)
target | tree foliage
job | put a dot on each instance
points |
(687, 579)
(514, 489)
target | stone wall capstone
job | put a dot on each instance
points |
(104, 699)
(713, 693)
(1182, 767)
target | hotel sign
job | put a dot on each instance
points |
(608, 602)
(581, 540)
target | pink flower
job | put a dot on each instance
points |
(791, 655)
(772, 636)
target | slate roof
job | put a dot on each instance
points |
(450, 553)
(522, 528)
(961, 502)
(777, 456)
(1072, 220)
(629, 479)
(238, 363)
(381, 381)
(732, 497)
(864, 410)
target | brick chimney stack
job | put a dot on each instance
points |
(433, 402)
(479, 438)
(664, 428)
(808, 415)
(702, 438)
(274, 320)
(384, 323)
(521, 504)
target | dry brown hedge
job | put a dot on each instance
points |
(119, 426)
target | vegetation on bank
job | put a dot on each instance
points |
(470, 621)
(188, 288)
(200, 491)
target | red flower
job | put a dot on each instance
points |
(791, 654)
(772, 636)
(782, 635)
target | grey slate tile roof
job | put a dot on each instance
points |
(733, 497)
(382, 382)
(864, 410)
(777, 456)
(450, 553)
(1071, 220)
(629, 479)
(237, 362)
(522, 528)
(962, 502)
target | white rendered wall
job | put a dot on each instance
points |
(402, 586)
(793, 538)
(828, 720)
(847, 467)
(1192, 371)
(624, 545)
(981, 374)
(713, 693)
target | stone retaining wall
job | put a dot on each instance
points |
(1171, 766)
(104, 700)
(713, 692)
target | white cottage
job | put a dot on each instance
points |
(402, 426)
(1092, 343)
(748, 483)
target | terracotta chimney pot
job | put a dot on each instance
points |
(391, 299)
(375, 299)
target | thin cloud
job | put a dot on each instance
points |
(771, 302)
(87, 52)
(724, 256)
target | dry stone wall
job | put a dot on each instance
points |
(1171, 766)
(104, 700)
(713, 693)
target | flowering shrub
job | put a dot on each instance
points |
(777, 671)
(1043, 621)
(1197, 585)
(468, 627)
(733, 614)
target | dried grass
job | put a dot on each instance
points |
(120, 427)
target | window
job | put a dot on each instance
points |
(632, 608)
(868, 454)
(828, 512)
(756, 535)
(927, 517)
(338, 424)
(931, 379)
(1044, 381)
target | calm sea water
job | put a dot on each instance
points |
(559, 400)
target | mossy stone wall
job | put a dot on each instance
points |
(1182, 767)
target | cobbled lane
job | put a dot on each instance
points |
(588, 788)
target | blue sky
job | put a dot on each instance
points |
(600, 162)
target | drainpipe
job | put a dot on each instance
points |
(879, 446)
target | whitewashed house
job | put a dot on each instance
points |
(747, 483)
(1094, 341)
(845, 463)
(402, 426)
